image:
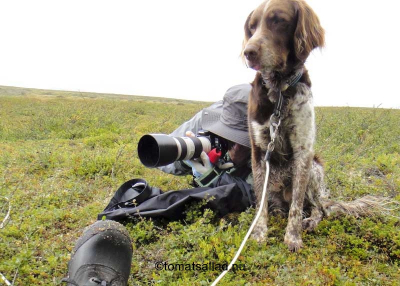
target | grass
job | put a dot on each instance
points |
(62, 156)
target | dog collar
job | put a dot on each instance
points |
(291, 81)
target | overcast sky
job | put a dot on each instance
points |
(190, 49)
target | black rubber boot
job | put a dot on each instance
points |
(102, 256)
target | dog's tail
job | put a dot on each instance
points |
(365, 206)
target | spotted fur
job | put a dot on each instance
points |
(278, 40)
(279, 36)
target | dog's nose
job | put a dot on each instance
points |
(251, 52)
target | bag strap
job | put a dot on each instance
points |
(132, 192)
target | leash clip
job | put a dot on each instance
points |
(273, 126)
(273, 129)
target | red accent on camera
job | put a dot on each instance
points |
(214, 155)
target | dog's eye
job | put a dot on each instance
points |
(251, 30)
(275, 20)
(253, 27)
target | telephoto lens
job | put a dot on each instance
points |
(157, 150)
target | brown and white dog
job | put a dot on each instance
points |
(279, 36)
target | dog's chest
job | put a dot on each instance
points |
(297, 112)
(261, 135)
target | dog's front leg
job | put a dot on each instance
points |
(259, 169)
(301, 137)
(301, 171)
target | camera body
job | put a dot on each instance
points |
(157, 150)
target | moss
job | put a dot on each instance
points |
(63, 156)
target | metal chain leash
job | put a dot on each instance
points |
(274, 123)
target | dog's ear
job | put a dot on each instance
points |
(308, 34)
(247, 35)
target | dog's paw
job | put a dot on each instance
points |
(259, 233)
(294, 243)
(309, 224)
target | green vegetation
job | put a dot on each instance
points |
(62, 156)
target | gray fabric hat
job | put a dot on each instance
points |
(230, 122)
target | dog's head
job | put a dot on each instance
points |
(280, 34)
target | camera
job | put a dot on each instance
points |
(157, 150)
